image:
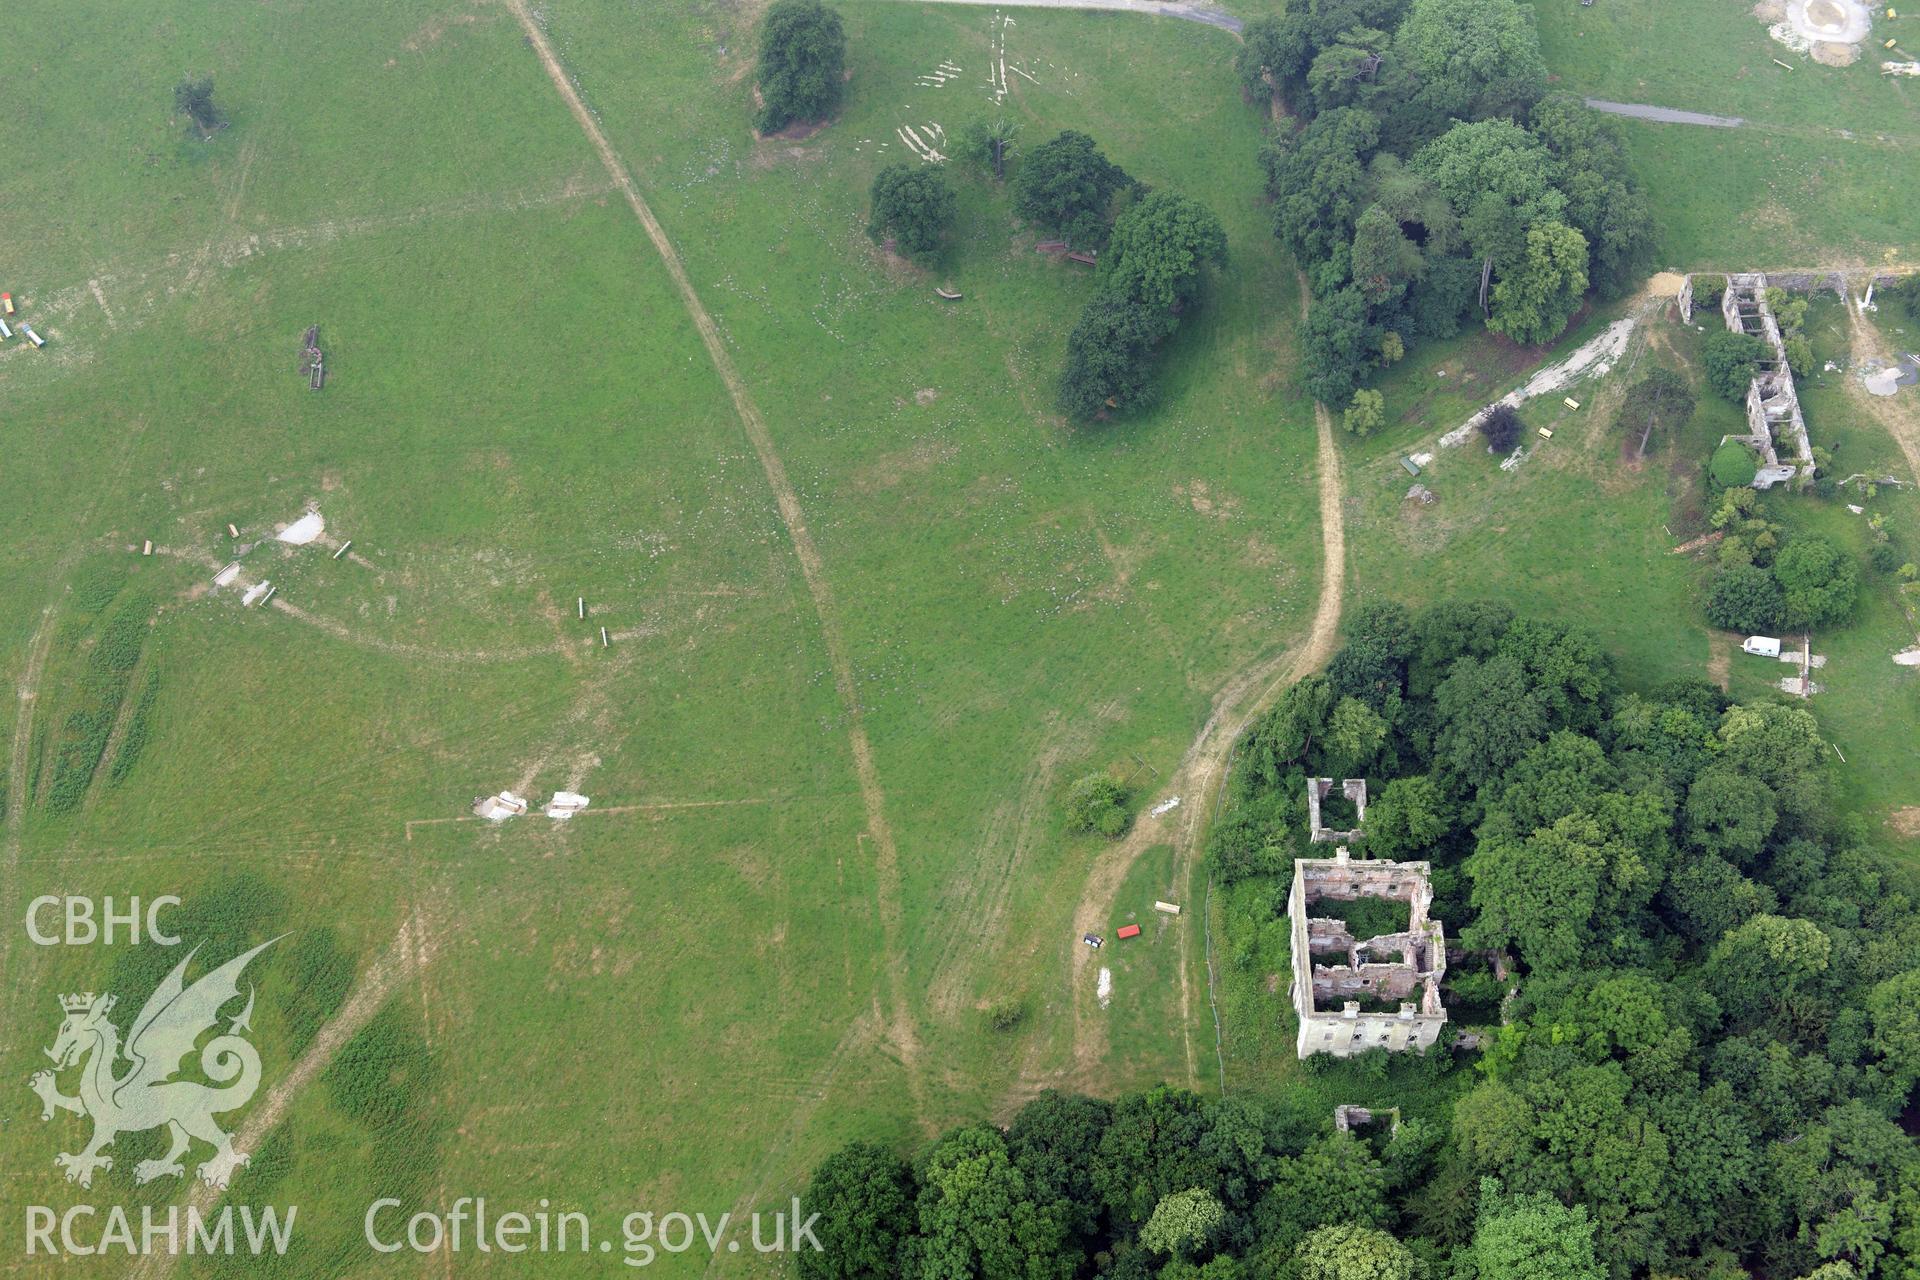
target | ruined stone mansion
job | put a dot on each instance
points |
(1351, 994)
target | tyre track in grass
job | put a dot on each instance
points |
(902, 1032)
(28, 696)
(410, 951)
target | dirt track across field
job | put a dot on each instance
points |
(902, 1032)
(1664, 115)
(1203, 769)
(1898, 413)
(407, 955)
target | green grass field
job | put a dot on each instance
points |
(680, 998)
(1818, 175)
(683, 998)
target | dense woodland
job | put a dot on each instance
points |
(1704, 1072)
(1426, 180)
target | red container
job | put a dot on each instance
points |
(1128, 931)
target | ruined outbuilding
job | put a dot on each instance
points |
(1775, 426)
(1348, 1118)
(1318, 789)
(1381, 992)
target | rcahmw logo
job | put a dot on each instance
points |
(145, 1094)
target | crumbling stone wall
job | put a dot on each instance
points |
(1774, 419)
(1333, 971)
(1348, 1118)
(1318, 789)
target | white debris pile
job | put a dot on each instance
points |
(997, 57)
(1604, 349)
(1105, 988)
(1166, 806)
(499, 807)
(256, 593)
(937, 77)
(306, 529)
(564, 805)
(924, 142)
(1881, 382)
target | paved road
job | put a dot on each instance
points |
(1664, 115)
(1181, 9)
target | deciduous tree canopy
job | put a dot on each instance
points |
(1067, 186)
(913, 204)
(1693, 1064)
(803, 58)
(1160, 251)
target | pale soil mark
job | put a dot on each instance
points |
(602, 811)
(886, 855)
(142, 288)
(19, 767)
(28, 692)
(409, 952)
(1898, 413)
(1719, 658)
(100, 297)
(342, 631)
(1692, 545)
(247, 153)
(1181, 9)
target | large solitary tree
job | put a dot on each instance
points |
(1662, 401)
(803, 58)
(193, 98)
(913, 204)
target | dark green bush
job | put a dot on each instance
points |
(103, 686)
(320, 973)
(1008, 1014)
(139, 728)
(1733, 466)
(1097, 803)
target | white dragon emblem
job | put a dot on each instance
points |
(145, 1095)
